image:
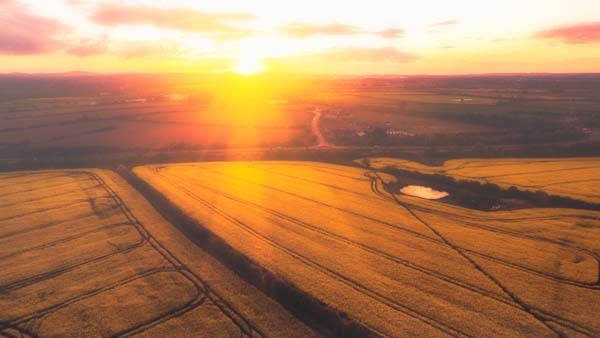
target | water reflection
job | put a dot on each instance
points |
(423, 192)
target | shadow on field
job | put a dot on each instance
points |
(480, 196)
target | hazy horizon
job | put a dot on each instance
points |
(266, 73)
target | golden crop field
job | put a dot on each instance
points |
(400, 266)
(575, 178)
(82, 254)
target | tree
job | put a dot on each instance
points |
(378, 136)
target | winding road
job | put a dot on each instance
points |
(314, 125)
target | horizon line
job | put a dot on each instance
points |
(92, 73)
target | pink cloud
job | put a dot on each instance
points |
(587, 32)
(182, 19)
(445, 23)
(22, 33)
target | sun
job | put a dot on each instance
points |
(249, 65)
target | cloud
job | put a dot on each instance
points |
(587, 32)
(181, 19)
(164, 49)
(302, 30)
(444, 23)
(25, 34)
(88, 47)
(344, 60)
(22, 33)
(384, 54)
(305, 30)
(392, 33)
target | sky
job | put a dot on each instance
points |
(378, 37)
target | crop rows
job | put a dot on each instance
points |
(75, 260)
(397, 265)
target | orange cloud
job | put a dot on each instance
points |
(345, 60)
(182, 19)
(392, 33)
(385, 54)
(157, 49)
(22, 33)
(302, 30)
(588, 32)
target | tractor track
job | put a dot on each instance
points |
(572, 325)
(367, 248)
(41, 198)
(25, 230)
(536, 313)
(243, 324)
(203, 292)
(459, 250)
(592, 254)
(323, 269)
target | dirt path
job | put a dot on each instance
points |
(316, 130)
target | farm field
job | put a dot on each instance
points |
(81, 114)
(475, 107)
(153, 124)
(83, 254)
(576, 178)
(403, 110)
(398, 265)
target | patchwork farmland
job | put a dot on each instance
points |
(398, 265)
(67, 122)
(83, 254)
(575, 178)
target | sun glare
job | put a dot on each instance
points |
(248, 66)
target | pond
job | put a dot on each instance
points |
(423, 192)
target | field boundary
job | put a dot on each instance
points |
(203, 292)
(537, 198)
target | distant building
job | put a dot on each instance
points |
(397, 132)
